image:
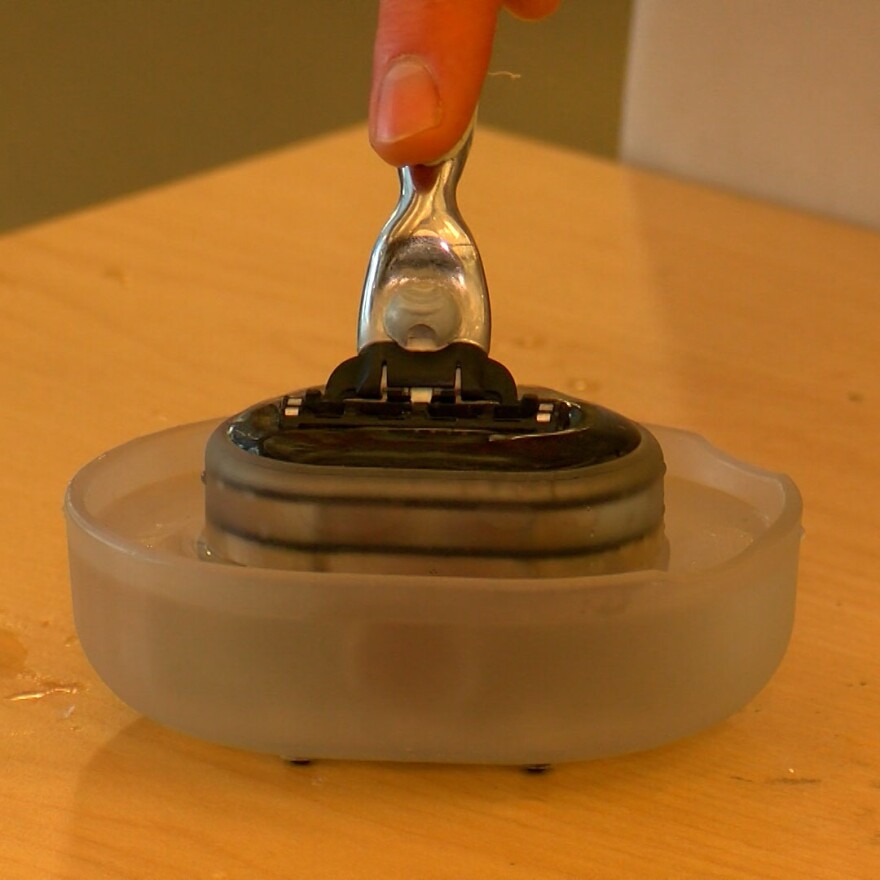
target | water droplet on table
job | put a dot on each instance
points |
(45, 691)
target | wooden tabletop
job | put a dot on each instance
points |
(756, 326)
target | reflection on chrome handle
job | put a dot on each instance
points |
(425, 286)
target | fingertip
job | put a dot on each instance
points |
(429, 63)
(421, 149)
(531, 10)
(407, 102)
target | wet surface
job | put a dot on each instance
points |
(49, 689)
(13, 653)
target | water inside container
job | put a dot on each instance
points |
(704, 526)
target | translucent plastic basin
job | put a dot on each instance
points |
(420, 668)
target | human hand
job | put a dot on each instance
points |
(429, 62)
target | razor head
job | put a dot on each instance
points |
(449, 410)
(391, 470)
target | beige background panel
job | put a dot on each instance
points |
(778, 100)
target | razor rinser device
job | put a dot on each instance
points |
(422, 561)
(420, 455)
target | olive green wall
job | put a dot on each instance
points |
(102, 97)
(571, 69)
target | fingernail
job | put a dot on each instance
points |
(409, 102)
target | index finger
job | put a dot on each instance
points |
(429, 63)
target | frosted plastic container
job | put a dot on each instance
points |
(421, 668)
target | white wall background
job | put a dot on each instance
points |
(775, 98)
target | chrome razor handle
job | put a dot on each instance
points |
(425, 287)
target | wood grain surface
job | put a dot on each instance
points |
(756, 326)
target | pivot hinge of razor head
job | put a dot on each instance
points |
(457, 385)
(459, 372)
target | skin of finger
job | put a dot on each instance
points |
(531, 10)
(454, 40)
